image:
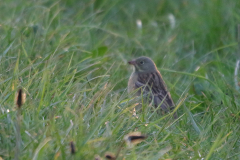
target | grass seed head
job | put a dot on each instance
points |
(134, 138)
(20, 98)
(72, 147)
(97, 157)
(110, 156)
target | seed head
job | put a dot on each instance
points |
(110, 156)
(134, 138)
(20, 98)
(72, 147)
(97, 157)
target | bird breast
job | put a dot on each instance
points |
(131, 82)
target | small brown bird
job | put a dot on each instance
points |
(147, 77)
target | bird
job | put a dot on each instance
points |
(147, 80)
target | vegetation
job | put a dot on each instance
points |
(70, 58)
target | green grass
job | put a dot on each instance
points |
(70, 58)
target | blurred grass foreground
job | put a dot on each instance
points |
(70, 59)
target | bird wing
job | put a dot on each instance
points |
(154, 84)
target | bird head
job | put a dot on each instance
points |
(143, 64)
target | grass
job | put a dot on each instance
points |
(70, 58)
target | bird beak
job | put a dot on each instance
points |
(133, 62)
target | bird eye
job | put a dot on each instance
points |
(141, 62)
